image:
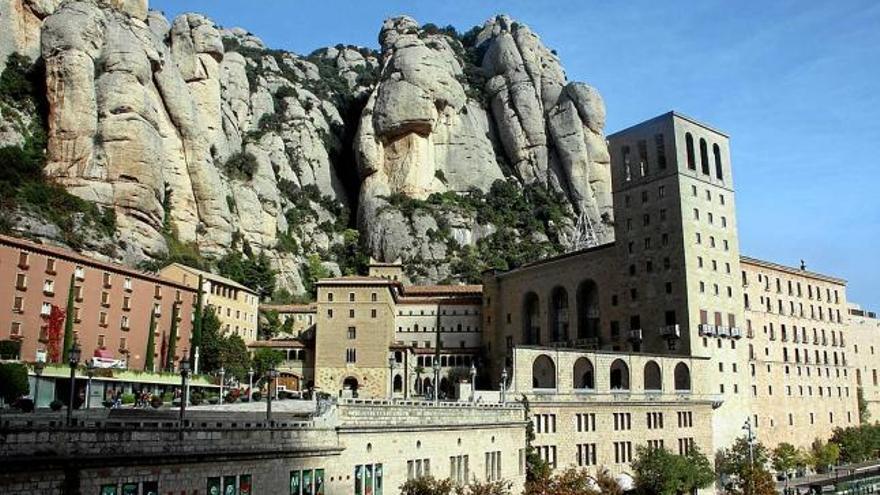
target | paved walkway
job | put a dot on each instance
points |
(288, 406)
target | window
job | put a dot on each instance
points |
(719, 173)
(124, 322)
(654, 420)
(642, 146)
(373, 297)
(45, 309)
(627, 165)
(23, 260)
(18, 304)
(373, 313)
(21, 281)
(49, 287)
(704, 157)
(15, 329)
(414, 469)
(661, 191)
(493, 466)
(368, 479)
(660, 147)
(351, 313)
(352, 333)
(685, 445)
(107, 280)
(585, 422)
(351, 355)
(50, 266)
(351, 297)
(458, 468)
(329, 297)
(123, 342)
(586, 454)
(622, 452)
(544, 423)
(689, 144)
(622, 421)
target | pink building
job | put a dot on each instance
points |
(112, 303)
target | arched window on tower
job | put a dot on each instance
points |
(689, 144)
(719, 172)
(704, 156)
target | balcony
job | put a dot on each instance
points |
(587, 343)
(635, 335)
(707, 330)
(736, 332)
(671, 331)
(723, 331)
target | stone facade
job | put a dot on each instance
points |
(245, 450)
(863, 347)
(801, 384)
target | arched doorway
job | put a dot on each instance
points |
(682, 377)
(559, 315)
(588, 310)
(531, 320)
(398, 384)
(619, 375)
(543, 372)
(350, 383)
(653, 377)
(584, 375)
(445, 388)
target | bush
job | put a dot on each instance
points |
(128, 399)
(13, 381)
(56, 405)
(10, 349)
(242, 165)
(258, 396)
(196, 398)
(24, 404)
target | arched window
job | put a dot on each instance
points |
(584, 376)
(689, 144)
(619, 375)
(398, 383)
(682, 377)
(653, 378)
(559, 315)
(531, 315)
(704, 156)
(587, 310)
(543, 372)
(719, 173)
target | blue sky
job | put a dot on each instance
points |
(796, 85)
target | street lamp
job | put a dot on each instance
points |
(436, 367)
(90, 372)
(73, 360)
(38, 370)
(271, 375)
(390, 377)
(503, 385)
(250, 384)
(473, 381)
(222, 381)
(750, 437)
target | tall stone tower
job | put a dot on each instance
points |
(676, 234)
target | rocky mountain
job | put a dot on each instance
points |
(172, 139)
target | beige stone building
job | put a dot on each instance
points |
(236, 305)
(863, 349)
(801, 385)
(300, 316)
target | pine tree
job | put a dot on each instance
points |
(68, 323)
(197, 326)
(151, 343)
(172, 339)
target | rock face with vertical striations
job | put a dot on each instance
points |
(439, 149)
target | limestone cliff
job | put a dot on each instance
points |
(190, 134)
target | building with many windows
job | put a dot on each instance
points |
(236, 306)
(112, 304)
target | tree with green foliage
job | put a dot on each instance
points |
(864, 413)
(171, 351)
(427, 485)
(221, 351)
(786, 458)
(265, 359)
(13, 381)
(857, 443)
(537, 470)
(824, 455)
(254, 272)
(149, 364)
(738, 473)
(196, 343)
(311, 273)
(10, 349)
(657, 471)
(68, 321)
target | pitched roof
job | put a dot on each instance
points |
(212, 277)
(75, 257)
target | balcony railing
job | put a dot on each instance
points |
(671, 331)
(736, 332)
(635, 335)
(707, 330)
